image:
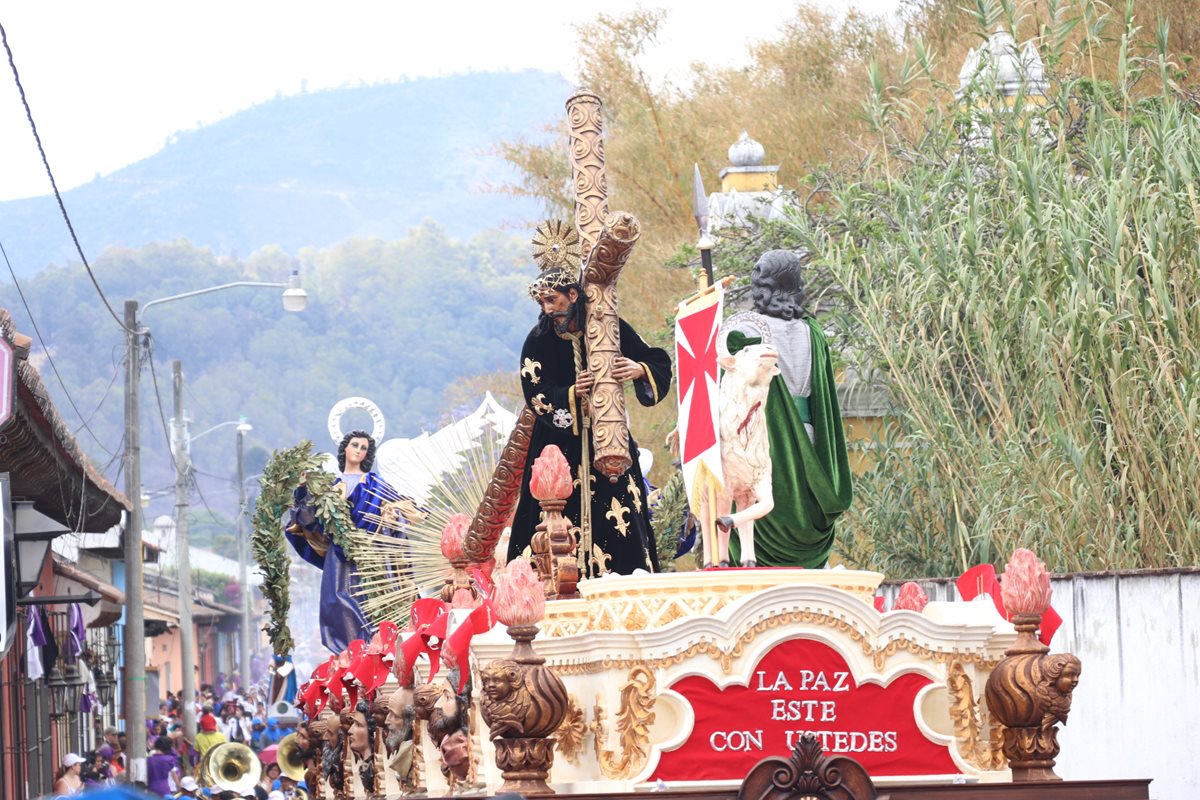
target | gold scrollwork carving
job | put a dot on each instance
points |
(570, 733)
(634, 719)
(725, 657)
(971, 722)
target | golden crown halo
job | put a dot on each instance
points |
(557, 253)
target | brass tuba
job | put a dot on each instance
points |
(289, 759)
(233, 767)
(202, 776)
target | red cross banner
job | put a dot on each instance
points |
(696, 327)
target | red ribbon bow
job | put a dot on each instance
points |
(458, 646)
(371, 669)
(427, 621)
(315, 693)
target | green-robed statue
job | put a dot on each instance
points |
(810, 471)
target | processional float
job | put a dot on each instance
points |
(756, 683)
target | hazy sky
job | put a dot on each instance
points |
(109, 82)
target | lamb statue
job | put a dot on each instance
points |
(810, 469)
(745, 452)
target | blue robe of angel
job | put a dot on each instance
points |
(341, 619)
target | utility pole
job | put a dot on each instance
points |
(183, 557)
(244, 662)
(134, 690)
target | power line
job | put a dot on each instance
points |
(215, 477)
(54, 184)
(49, 358)
(96, 410)
(203, 500)
(162, 417)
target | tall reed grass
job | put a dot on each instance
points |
(1032, 303)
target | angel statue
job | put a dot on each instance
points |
(375, 507)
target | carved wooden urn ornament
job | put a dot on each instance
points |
(1029, 692)
(554, 543)
(523, 701)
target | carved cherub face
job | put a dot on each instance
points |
(498, 682)
(1069, 678)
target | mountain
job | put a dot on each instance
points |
(309, 170)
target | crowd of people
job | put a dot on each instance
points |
(224, 713)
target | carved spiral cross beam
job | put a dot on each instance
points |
(502, 493)
(586, 127)
(610, 434)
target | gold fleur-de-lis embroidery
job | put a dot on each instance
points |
(600, 561)
(591, 484)
(530, 368)
(540, 405)
(618, 514)
(636, 492)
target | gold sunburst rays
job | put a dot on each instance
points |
(395, 570)
(556, 244)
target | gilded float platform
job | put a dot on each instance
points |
(669, 674)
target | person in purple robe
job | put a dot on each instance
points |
(342, 619)
(162, 768)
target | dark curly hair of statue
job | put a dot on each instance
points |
(368, 461)
(776, 285)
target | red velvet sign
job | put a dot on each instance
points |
(802, 685)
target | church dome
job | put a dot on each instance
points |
(746, 152)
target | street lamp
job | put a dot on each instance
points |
(58, 693)
(74, 685)
(105, 684)
(294, 299)
(33, 533)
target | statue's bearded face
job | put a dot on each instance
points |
(560, 307)
(330, 729)
(303, 742)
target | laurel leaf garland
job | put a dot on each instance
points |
(284, 473)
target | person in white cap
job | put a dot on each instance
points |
(68, 783)
(188, 788)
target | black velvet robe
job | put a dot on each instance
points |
(620, 516)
